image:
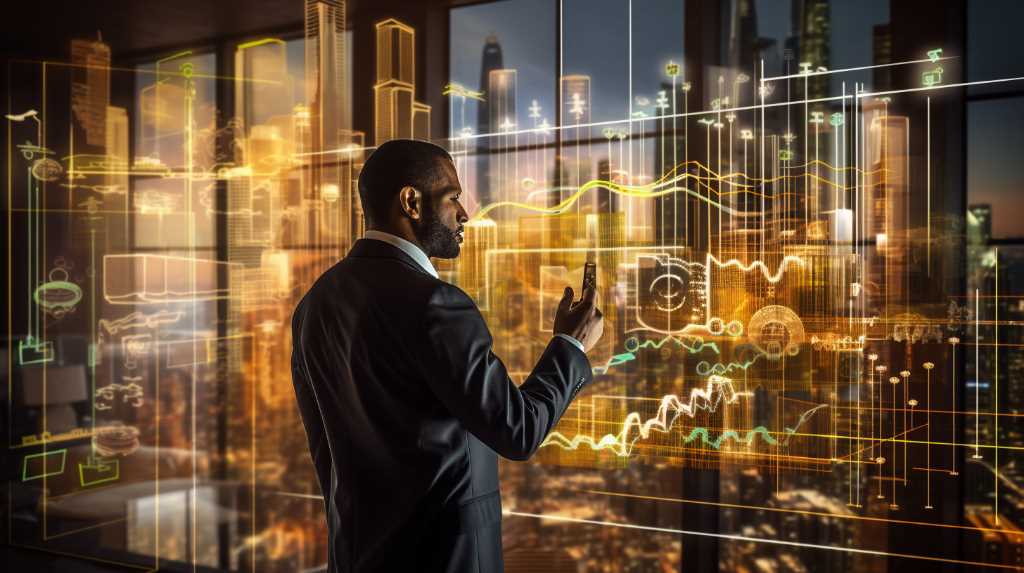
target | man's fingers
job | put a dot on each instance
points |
(566, 301)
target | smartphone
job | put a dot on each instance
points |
(589, 275)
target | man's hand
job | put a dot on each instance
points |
(581, 320)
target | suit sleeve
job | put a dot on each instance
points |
(309, 409)
(473, 384)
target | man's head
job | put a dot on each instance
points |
(410, 188)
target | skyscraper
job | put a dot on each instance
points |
(325, 69)
(490, 61)
(262, 83)
(501, 93)
(979, 224)
(90, 93)
(396, 112)
(576, 103)
(881, 54)
(325, 92)
(744, 43)
(815, 43)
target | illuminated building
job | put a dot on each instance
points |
(325, 95)
(490, 60)
(815, 43)
(117, 147)
(576, 102)
(501, 89)
(997, 539)
(881, 56)
(888, 201)
(262, 83)
(167, 213)
(979, 225)
(480, 237)
(90, 93)
(396, 112)
(501, 106)
(325, 69)
(743, 34)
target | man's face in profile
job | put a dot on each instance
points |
(440, 229)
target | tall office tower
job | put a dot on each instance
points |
(116, 138)
(881, 54)
(575, 119)
(743, 40)
(350, 160)
(979, 224)
(670, 211)
(396, 112)
(325, 68)
(481, 237)
(420, 121)
(604, 200)
(888, 202)
(325, 94)
(815, 43)
(90, 94)
(576, 103)
(262, 83)
(116, 144)
(490, 60)
(501, 92)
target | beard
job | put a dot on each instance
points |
(436, 239)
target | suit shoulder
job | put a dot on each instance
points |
(449, 295)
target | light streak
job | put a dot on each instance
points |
(718, 391)
(633, 346)
(736, 537)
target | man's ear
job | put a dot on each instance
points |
(411, 202)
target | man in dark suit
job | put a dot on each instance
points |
(405, 406)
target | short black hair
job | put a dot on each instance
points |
(396, 164)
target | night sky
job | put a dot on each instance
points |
(596, 43)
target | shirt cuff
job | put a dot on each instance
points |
(574, 342)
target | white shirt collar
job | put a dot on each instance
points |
(406, 247)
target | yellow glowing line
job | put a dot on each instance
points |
(262, 42)
(651, 190)
(736, 537)
(626, 190)
(147, 72)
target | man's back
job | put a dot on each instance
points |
(405, 406)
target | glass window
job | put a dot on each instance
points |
(995, 175)
(175, 111)
(503, 60)
(992, 53)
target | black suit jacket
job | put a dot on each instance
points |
(405, 407)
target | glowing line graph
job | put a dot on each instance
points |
(765, 271)
(704, 368)
(633, 346)
(666, 185)
(719, 390)
(648, 191)
(748, 438)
